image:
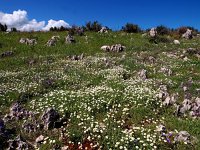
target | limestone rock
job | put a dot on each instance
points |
(49, 117)
(69, 39)
(153, 32)
(187, 34)
(182, 136)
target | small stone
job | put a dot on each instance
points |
(39, 139)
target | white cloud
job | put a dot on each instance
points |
(19, 20)
(53, 23)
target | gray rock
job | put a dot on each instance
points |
(153, 32)
(17, 112)
(182, 136)
(177, 42)
(166, 71)
(7, 54)
(103, 30)
(143, 74)
(105, 48)
(187, 34)
(19, 144)
(49, 117)
(69, 39)
(39, 139)
(117, 48)
(29, 127)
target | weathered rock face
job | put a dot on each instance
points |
(49, 118)
(69, 39)
(187, 34)
(103, 30)
(153, 32)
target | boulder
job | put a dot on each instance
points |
(22, 40)
(143, 74)
(103, 30)
(160, 128)
(182, 136)
(193, 51)
(49, 117)
(177, 42)
(117, 48)
(6, 54)
(51, 42)
(39, 139)
(77, 57)
(187, 34)
(153, 32)
(69, 39)
(105, 48)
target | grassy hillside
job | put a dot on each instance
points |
(105, 102)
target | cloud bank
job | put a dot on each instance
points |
(19, 19)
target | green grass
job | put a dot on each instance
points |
(104, 101)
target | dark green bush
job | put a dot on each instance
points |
(163, 30)
(3, 27)
(93, 26)
(13, 30)
(131, 28)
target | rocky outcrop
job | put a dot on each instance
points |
(49, 117)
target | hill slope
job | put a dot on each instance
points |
(124, 100)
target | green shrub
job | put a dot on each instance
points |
(3, 27)
(131, 28)
(163, 30)
(93, 26)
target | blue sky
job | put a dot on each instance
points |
(111, 13)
